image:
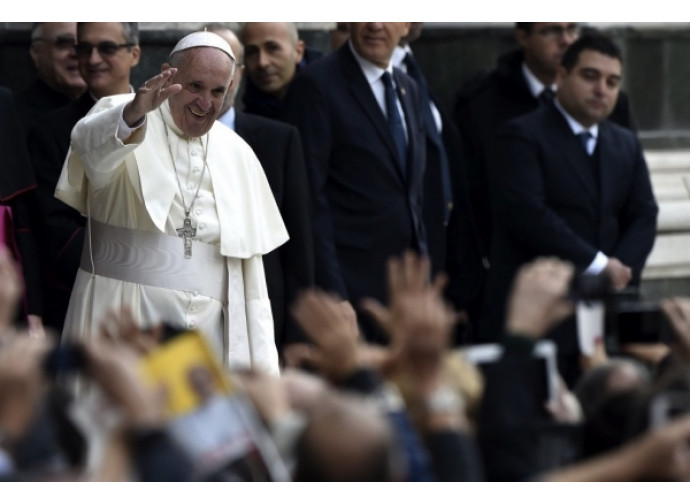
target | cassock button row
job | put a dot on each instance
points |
(191, 324)
(195, 153)
(202, 226)
(199, 211)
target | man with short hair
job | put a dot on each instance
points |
(179, 210)
(571, 184)
(106, 53)
(290, 268)
(273, 54)
(523, 80)
(363, 138)
(58, 80)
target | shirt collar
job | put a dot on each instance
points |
(229, 118)
(371, 72)
(398, 57)
(535, 85)
(575, 126)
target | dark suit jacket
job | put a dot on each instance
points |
(365, 209)
(449, 222)
(484, 104)
(552, 199)
(290, 268)
(62, 234)
(463, 248)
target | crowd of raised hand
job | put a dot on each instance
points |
(345, 410)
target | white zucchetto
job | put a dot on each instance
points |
(203, 39)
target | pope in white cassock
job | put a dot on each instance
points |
(179, 210)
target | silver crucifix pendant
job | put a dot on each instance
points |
(186, 232)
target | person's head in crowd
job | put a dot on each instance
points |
(589, 79)
(339, 35)
(616, 376)
(375, 42)
(107, 52)
(205, 68)
(616, 419)
(238, 50)
(544, 45)
(52, 52)
(272, 53)
(346, 439)
(413, 34)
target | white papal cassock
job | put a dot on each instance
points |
(132, 185)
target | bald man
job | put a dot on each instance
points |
(273, 55)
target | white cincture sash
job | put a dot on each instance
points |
(154, 259)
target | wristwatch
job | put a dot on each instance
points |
(443, 401)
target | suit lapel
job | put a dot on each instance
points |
(360, 89)
(242, 127)
(415, 170)
(575, 156)
(607, 165)
(239, 122)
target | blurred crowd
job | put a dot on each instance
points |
(415, 410)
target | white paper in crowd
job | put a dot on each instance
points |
(590, 324)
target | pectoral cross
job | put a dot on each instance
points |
(186, 232)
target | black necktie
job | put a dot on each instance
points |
(584, 140)
(394, 120)
(546, 96)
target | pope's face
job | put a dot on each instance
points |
(205, 74)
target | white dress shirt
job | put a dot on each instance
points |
(535, 85)
(373, 74)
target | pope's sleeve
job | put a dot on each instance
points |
(96, 153)
(264, 353)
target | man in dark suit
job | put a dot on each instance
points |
(585, 200)
(364, 147)
(290, 268)
(63, 236)
(448, 218)
(523, 80)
